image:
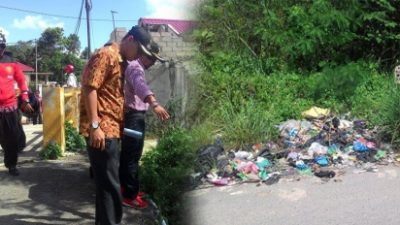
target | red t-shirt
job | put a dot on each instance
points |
(9, 73)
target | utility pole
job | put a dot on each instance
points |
(36, 72)
(88, 8)
(115, 32)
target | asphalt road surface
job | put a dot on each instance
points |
(368, 198)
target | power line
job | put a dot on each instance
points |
(61, 16)
(78, 23)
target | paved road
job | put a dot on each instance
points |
(52, 192)
(355, 199)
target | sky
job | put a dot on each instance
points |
(20, 22)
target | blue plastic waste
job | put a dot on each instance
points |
(322, 160)
(301, 165)
(359, 147)
(293, 132)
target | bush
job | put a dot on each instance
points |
(73, 140)
(339, 83)
(370, 97)
(165, 170)
(51, 151)
(389, 115)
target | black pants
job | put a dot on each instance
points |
(131, 151)
(105, 166)
(12, 137)
(37, 118)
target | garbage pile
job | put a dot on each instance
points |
(318, 145)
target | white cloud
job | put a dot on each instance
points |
(172, 9)
(4, 31)
(36, 22)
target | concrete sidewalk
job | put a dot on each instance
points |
(52, 192)
(34, 138)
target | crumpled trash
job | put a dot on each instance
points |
(359, 147)
(322, 160)
(331, 125)
(332, 149)
(307, 171)
(207, 157)
(293, 132)
(217, 181)
(243, 155)
(345, 124)
(242, 176)
(289, 143)
(247, 167)
(369, 144)
(360, 124)
(315, 113)
(301, 165)
(348, 149)
(317, 149)
(322, 173)
(380, 154)
(220, 181)
(274, 178)
(293, 156)
(262, 163)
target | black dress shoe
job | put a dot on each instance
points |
(13, 171)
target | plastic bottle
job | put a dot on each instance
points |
(133, 133)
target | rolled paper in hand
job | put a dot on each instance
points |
(133, 133)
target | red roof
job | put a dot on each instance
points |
(25, 68)
(179, 26)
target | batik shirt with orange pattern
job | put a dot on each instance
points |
(104, 72)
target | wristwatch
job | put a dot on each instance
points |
(95, 124)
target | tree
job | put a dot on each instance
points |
(301, 35)
(51, 40)
(84, 53)
(72, 44)
(57, 51)
(24, 52)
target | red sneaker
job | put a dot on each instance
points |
(137, 203)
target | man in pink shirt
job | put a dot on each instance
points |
(138, 97)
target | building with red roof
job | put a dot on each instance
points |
(25, 68)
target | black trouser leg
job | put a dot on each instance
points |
(40, 118)
(131, 151)
(105, 166)
(12, 137)
(35, 119)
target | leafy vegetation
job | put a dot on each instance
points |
(264, 62)
(267, 61)
(165, 170)
(51, 151)
(74, 142)
(54, 52)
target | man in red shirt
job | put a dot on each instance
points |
(12, 136)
